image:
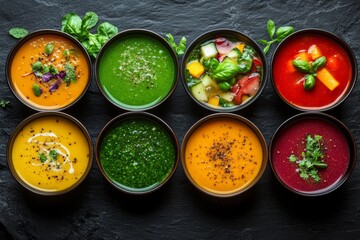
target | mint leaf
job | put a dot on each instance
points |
(18, 32)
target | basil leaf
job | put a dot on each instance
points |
(245, 62)
(271, 28)
(89, 21)
(71, 24)
(302, 65)
(37, 66)
(107, 29)
(262, 41)
(180, 50)
(171, 40)
(318, 63)
(18, 32)
(210, 64)
(283, 32)
(37, 90)
(266, 48)
(225, 71)
(309, 82)
(49, 48)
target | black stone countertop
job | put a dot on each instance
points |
(179, 211)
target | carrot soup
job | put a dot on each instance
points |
(50, 153)
(49, 71)
(224, 156)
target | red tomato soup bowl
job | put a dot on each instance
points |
(224, 155)
(312, 154)
(48, 70)
(224, 70)
(313, 70)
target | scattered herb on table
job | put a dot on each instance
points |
(179, 48)
(281, 33)
(4, 103)
(80, 29)
(312, 158)
(305, 67)
(18, 32)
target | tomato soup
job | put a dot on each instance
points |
(292, 141)
(331, 80)
(49, 72)
(50, 154)
(136, 71)
(224, 156)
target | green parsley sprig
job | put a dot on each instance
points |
(179, 48)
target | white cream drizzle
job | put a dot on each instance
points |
(61, 150)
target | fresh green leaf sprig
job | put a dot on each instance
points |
(52, 156)
(18, 32)
(312, 158)
(4, 103)
(281, 33)
(179, 48)
(80, 29)
(305, 67)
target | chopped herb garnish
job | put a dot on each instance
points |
(37, 66)
(42, 157)
(53, 154)
(312, 159)
(49, 48)
(70, 73)
(37, 90)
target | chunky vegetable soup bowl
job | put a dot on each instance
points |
(137, 152)
(136, 70)
(224, 155)
(312, 154)
(224, 70)
(313, 70)
(48, 70)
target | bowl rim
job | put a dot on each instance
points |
(25, 39)
(225, 32)
(136, 115)
(137, 32)
(341, 42)
(219, 116)
(32, 118)
(331, 120)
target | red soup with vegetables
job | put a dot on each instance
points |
(310, 155)
(311, 71)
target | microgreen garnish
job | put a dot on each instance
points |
(4, 103)
(70, 73)
(305, 67)
(80, 29)
(180, 48)
(312, 158)
(18, 32)
(42, 157)
(281, 33)
(53, 154)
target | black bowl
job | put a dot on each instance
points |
(136, 33)
(156, 122)
(316, 123)
(25, 40)
(232, 34)
(342, 44)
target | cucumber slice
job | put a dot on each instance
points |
(209, 50)
(228, 59)
(228, 96)
(208, 81)
(234, 54)
(199, 92)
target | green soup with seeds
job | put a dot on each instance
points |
(136, 72)
(137, 154)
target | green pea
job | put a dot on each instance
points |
(309, 82)
(224, 86)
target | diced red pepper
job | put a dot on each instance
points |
(251, 86)
(257, 62)
(238, 98)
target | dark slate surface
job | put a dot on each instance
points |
(96, 211)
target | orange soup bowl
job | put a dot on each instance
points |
(50, 153)
(48, 70)
(224, 154)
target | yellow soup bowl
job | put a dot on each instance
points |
(50, 153)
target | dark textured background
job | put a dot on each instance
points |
(97, 211)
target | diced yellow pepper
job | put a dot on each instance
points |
(196, 69)
(244, 97)
(241, 47)
(314, 51)
(302, 56)
(215, 101)
(327, 79)
(290, 66)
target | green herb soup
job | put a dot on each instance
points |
(136, 72)
(137, 154)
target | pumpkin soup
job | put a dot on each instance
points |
(224, 156)
(50, 153)
(49, 71)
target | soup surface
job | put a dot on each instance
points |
(49, 72)
(289, 81)
(137, 154)
(136, 72)
(50, 154)
(292, 141)
(223, 156)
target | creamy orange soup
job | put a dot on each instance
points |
(50, 154)
(64, 52)
(223, 156)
